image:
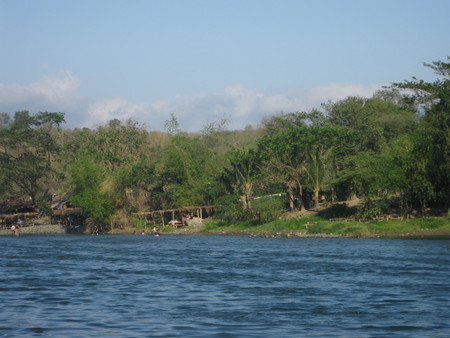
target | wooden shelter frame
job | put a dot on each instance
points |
(198, 210)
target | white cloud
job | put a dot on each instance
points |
(49, 94)
(102, 111)
(240, 105)
(337, 91)
(243, 106)
(56, 88)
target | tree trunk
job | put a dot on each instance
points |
(248, 193)
(243, 199)
(316, 197)
(291, 197)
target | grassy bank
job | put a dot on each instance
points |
(317, 226)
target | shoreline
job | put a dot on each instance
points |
(42, 229)
(442, 234)
(438, 234)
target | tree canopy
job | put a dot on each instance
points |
(393, 147)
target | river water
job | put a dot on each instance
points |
(223, 286)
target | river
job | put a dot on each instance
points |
(223, 286)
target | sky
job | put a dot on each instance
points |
(206, 61)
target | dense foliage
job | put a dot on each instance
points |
(390, 150)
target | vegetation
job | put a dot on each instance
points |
(427, 227)
(391, 151)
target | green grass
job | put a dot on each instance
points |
(318, 225)
(384, 227)
(428, 223)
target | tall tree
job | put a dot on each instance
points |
(242, 175)
(284, 150)
(187, 170)
(433, 98)
(92, 190)
(381, 118)
(172, 125)
(319, 168)
(27, 145)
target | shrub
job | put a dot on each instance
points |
(371, 208)
(233, 214)
(266, 210)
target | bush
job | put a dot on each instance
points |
(139, 223)
(93, 191)
(233, 214)
(266, 210)
(371, 208)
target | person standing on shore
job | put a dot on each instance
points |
(15, 230)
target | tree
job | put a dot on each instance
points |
(188, 168)
(382, 118)
(299, 153)
(93, 193)
(290, 172)
(283, 150)
(395, 172)
(4, 120)
(172, 125)
(142, 185)
(433, 98)
(26, 150)
(318, 169)
(242, 174)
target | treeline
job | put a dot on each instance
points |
(392, 149)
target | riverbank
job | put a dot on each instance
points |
(425, 228)
(416, 234)
(42, 229)
(313, 226)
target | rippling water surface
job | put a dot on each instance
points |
(223, 286)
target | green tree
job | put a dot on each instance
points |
(26, 149)
(284, 152)
(93, 193)
(319, 169)
(242, 174)
(119, 148)
(381, 118)
(172, 125)
(393, 173)
(300, 153)
(433, 98)
(188, 168)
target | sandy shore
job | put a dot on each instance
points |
(44, 229)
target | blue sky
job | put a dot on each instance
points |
(208, 60)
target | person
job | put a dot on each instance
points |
(16, 231)
(13, 229)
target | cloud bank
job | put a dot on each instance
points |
(241, 106)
